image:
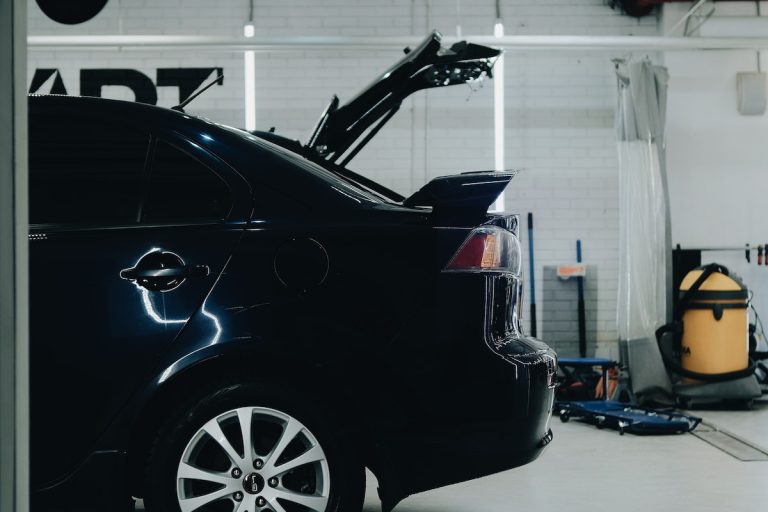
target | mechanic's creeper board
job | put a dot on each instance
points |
(627, 418)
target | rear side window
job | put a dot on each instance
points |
(182, 189)
(85, 170)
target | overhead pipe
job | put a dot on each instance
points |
(308, 43)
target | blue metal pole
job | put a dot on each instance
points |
(582, 312)
(533, 281)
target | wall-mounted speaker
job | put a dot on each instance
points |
(752, 91)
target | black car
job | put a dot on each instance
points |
(224, 321)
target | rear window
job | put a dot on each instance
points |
(340, 184)
(183, 189)
(85, 171)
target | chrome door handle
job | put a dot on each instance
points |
(184, 272)
(161, 271)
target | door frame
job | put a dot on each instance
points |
(14, 289)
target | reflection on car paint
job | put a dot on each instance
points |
(215, 320)
(348, 195)
(151, 310)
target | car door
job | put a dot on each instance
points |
(130, 228)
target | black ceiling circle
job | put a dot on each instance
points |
(71, 12)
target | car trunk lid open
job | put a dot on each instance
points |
(343, 130)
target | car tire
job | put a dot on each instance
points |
(332, 481)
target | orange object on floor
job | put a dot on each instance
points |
(613, 383)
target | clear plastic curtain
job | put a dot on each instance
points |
(644, 235)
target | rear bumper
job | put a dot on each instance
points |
(481, 394)
(500, 421)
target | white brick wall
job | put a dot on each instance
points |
(560, 124)
(559, 105)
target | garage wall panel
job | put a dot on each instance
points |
(560, 136)
(223, 103)
(715, 156)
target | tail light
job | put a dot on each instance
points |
(488, 249)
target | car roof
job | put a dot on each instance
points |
(260, 162)
(100, 106)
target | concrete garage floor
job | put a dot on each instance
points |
(586, 469)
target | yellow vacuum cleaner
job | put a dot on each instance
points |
(708, 343)
(715, 323)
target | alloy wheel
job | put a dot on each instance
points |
(253, 459)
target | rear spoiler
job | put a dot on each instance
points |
(462, 198)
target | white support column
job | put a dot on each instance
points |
(249, 68)
(499, 132)
(250, 90)
(14, 345)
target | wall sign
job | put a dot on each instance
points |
(188, 80)
(71, 12)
